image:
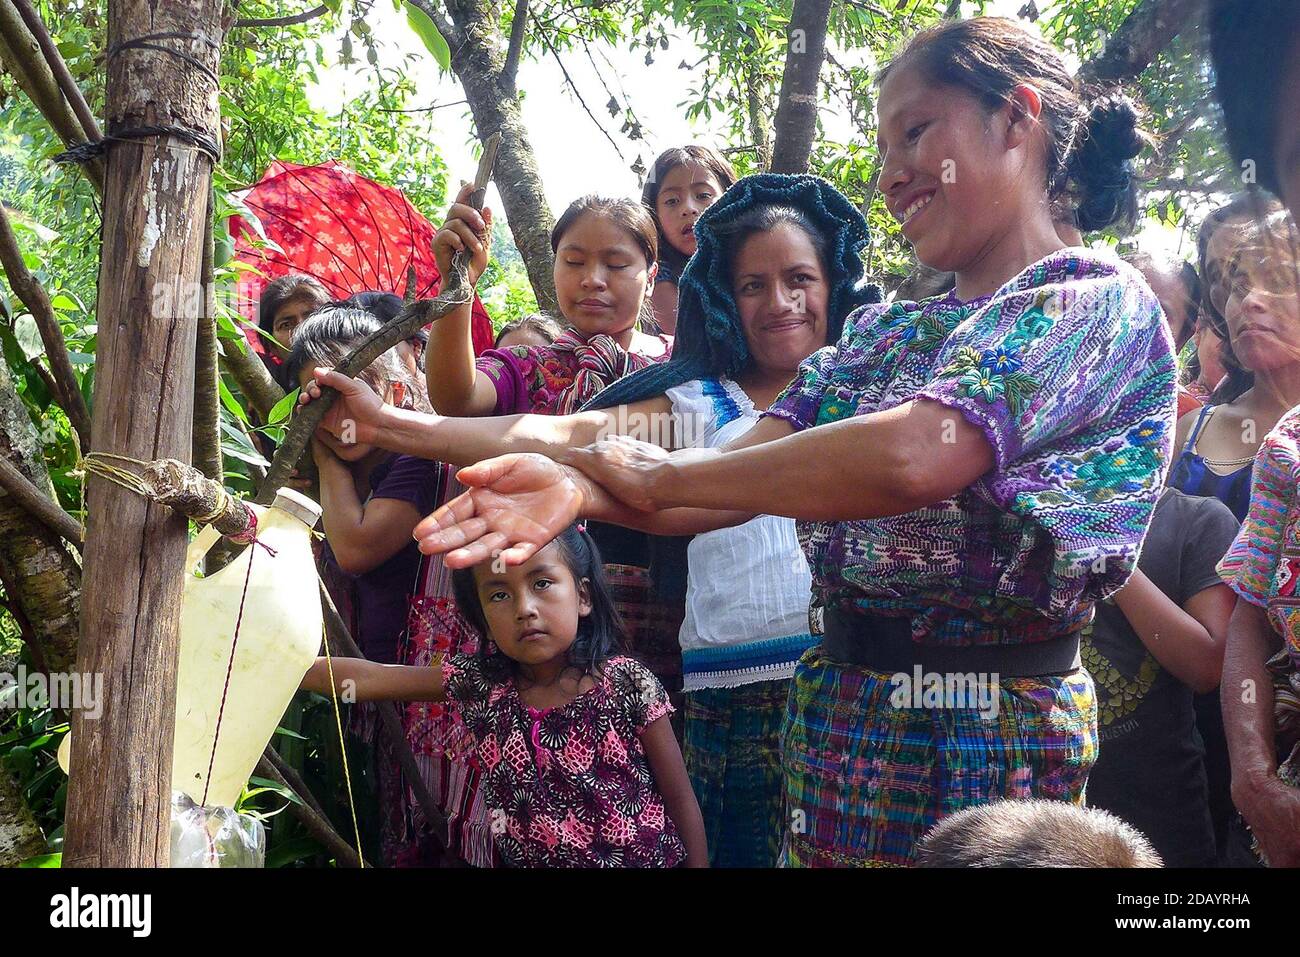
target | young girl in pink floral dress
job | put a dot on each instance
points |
(578, 763)
(606, 264)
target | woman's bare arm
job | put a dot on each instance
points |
(1271, 808)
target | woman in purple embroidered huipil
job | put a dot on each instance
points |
(971, 472)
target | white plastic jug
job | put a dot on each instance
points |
(279, 636)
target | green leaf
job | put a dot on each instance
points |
(252, 458)
(43, 860)
(62, 301)
(228, 400)
(29, 337)
(290, 734)
(422, 25)
(292, 850)
(282, 409)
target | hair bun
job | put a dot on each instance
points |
(1101, 163)
(1114, 125)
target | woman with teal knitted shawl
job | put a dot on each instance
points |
(778, 268)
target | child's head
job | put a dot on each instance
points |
(981, 124)
(1036, 833)
(328, 336)
(684, 181)
(286, 302)
(605, 261)
(386, 306)
(1262, 308)
(534, 330)
(556, 604)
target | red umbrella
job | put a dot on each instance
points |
(349, 232)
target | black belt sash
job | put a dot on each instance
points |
(885, 644)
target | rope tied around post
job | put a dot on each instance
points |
(202, 140)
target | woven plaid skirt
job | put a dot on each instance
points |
(865, 779)
(652, 627)
(733, 756)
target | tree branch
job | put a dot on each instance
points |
(317, 825)
(254, 380)
(390, 724)
(39, 505)
(1146, 31)
(21, 53)
(62, 74)
(421, 109)
(456, 291)
(205, 441)
(578, 93)
(25, 286)
(517, 28)
(284, 21)
(795, 124)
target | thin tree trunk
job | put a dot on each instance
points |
(796, 111)
(206, 441)
(22, 56)
(42, 578)
(20, 836)
(315, 824)
(253, 378)
(67, 390)
(119, 791)
(473, 32)
(1148, 29)
(758, 107)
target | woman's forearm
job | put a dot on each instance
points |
(1181, 644)
(1247, 695)
(449, 362)
(341, 510)
(886, 463)
(464, 441)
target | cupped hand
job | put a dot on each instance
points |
(627, 468)
(465, 228)
(356, 414)
(517, 503)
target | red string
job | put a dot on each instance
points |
(230, 666)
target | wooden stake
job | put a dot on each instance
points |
(155, 197)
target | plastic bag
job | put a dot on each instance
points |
(214, 836)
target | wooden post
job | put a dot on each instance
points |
(155, 198)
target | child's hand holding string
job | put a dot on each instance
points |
(465, 228)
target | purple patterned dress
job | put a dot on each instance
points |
(1069, 372)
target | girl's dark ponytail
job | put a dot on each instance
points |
(1100, 166)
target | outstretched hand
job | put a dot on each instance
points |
(517, 503)
(354, 417)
